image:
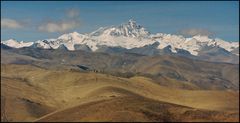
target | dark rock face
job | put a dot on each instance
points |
(235, 51)
(62, 47)
(3, 46)
(217, 54)
(147, 49)
(106, 49)
(83, 67)
(167, 50)
(82, 47)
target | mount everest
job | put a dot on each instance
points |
(129, 36)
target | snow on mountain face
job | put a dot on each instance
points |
(16, 44)
(68, 40)
(73, 37)
(229, 46)
(46, 44)
(167, 39)
(193, 45)
(130, 29)
(128, 35)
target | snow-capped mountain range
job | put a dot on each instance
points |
(128, 35)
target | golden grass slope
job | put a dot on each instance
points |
(63, 91)
(135, 108)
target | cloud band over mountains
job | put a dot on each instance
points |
(11, 23)
(70, 22)
(60, 26)
(195, 31)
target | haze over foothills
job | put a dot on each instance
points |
(73, 61)
(32, 21)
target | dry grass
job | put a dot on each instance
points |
(135, 108)
(70, 92)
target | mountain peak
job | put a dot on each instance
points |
(202, 38)
(70, 36)
(74, 33)
(132, 23)
(131, 20)
(127, 35)
(129, 29)
(16, 44)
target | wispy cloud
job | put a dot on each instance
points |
(70, 21)
(61, 26)
(73, 13)
(11, 23)
(194, 31)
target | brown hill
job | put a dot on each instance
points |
(30, 92)
(135, 108)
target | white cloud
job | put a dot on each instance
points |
(193, 32)
(72, 13)
(10, 23)
(61, 26)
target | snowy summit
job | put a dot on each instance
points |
(127, 35)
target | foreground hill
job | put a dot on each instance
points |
(134, 108)
(31, 93)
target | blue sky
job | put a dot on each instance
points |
(30, 21)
